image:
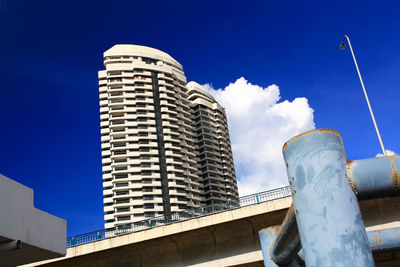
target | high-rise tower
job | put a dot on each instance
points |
(213, 147)
(149, 140)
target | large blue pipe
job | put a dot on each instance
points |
(328, 217)
(380, 241)
(384, 240)
(267, 238)
(287, 242)
(369, 178)
(374, 177)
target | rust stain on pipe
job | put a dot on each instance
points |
(277, 229)
(286, 145)
(352, 182)
(293, 186)
(395, 174)
(273, 236)
(378, 242)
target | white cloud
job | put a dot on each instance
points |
(259, 125)
(388, 152)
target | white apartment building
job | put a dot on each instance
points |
(213, 147)
(150, 156)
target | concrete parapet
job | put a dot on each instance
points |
(41, 235)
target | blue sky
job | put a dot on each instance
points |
(52, 50)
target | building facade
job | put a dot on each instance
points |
(214, 154)
(150, 146)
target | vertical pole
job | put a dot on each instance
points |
(267, 239)
(331, 229)
(366, 97)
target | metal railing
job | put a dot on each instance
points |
(179, 216)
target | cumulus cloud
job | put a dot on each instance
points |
(259, 124)
(388, 152)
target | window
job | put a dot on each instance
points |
(121, 184)
(122, 209)
(149, 214)
(119, 193)
(125, 218)
(114, 73)
(145, 164)
(122, 201)
(120, 176)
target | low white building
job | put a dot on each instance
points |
(26, 233)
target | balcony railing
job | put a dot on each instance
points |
(175, 217)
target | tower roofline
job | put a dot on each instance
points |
(142, 51)
(194, 85)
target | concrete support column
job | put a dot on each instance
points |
(331, 229)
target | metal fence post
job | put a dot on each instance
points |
(267, 238)
(331, 229)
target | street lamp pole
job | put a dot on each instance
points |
(343, 46)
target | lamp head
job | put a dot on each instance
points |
(342, 45)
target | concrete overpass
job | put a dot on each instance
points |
(228, 238)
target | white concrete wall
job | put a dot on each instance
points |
(20, 220)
